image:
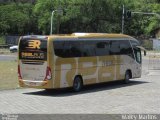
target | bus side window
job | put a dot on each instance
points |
(114, 47)
(134, 42)
(76, 49)
(71, 49)
(58, 48)
(88, 48)
(66, 49)
(102, 48)
(126, 49)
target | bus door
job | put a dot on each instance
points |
(138, 61)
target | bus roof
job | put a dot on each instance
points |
(91, 35)
(100, 35)
(80, 35)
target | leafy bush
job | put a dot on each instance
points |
(147, 44)
(2, 40)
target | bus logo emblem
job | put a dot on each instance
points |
(34, 44)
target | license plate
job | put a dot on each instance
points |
(32, 84)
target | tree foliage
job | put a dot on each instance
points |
(78, 16)
(142, 23)
(16, 18)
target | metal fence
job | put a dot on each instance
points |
(11, 40)
(154, 61)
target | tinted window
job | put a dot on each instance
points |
(125, 48)
(134, 42)
(114, 47)
(59, 48)
(33, 49)
(88, 48)
(76, 49)
(68, 49)
(102, 48)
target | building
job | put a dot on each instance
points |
(156, 40)
(157, 33)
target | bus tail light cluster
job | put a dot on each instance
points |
(48, 74)
(19, 72)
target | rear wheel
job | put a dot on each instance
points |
(127, 77)
(77, 84)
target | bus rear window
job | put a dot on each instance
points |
(33, 49)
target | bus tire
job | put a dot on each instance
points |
(77, 84)
(127, 77)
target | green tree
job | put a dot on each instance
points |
(96, 16)
(141, 23)
(16, 18)
(43, 10)
(79, 16)
(93, 16)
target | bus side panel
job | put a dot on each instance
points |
(87, 68)
(107, 68)
(65, 71)
(50, 61)
(120, 67)
(128, 63)
(114, 67)
(92, 69)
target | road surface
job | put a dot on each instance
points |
(8, 57)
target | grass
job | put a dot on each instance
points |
(4, 51)
(2, 40)
(8, 75)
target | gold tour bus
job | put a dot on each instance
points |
(74, 60)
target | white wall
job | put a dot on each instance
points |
(156, 44)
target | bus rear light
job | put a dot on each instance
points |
(19, 72)
(48, 74)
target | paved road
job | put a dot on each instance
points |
(140, 96)
(8, 57)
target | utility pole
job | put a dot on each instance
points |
(52, 22)
(123, 13)
(60, 12)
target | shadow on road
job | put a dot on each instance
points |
(86, 89)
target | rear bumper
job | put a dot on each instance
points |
(47, 84)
